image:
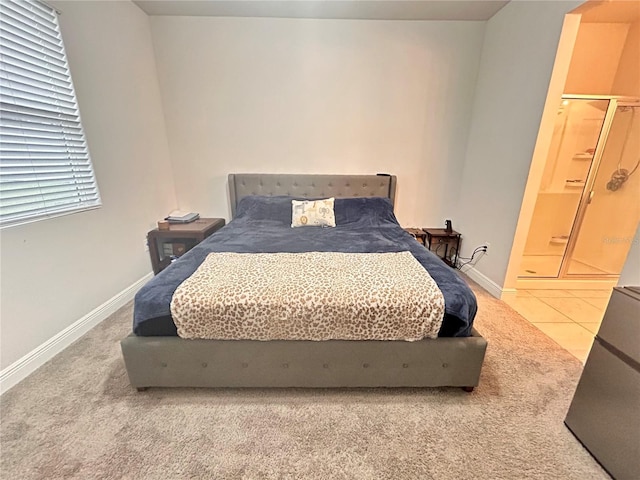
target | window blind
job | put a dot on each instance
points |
(45, 167)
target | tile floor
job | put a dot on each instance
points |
(570, 317)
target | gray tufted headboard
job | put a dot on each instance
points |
(309, 186)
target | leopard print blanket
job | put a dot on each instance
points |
(309, 296)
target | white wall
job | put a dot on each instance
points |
(318, 96)
(627, 81)
(598, 44)
(56, 271)
(630, 274)
(518, 54)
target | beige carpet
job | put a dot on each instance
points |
(77, 417)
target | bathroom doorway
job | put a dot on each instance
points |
(584, 220)
(581, 207)
(587, 207)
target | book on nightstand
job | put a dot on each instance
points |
(181, 217)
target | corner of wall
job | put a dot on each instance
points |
(78, 261)
(559, 75)
(165, 131)
(516, 58)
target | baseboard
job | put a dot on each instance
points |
(485, 282)
(20, 369)
(506, 292)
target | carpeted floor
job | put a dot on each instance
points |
(77, 417)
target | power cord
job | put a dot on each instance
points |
(480, 249)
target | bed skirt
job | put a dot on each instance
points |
(176, 362)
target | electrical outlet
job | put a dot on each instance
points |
(488, 245)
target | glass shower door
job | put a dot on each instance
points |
(575, 137)
(612, 211)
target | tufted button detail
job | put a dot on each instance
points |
(245, 365)
(325, 365)
(405, 365)
(204, 365)
(285, 365)
(164, 364)
(330, 184)
(445, 365)
(365, 365)
(277, 184)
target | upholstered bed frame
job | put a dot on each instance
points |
(175, 362)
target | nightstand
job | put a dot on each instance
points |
(445, 244)
(179, 239)
(418, 234)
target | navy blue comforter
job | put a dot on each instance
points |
(263, 225)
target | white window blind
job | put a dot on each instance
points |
(45, 168)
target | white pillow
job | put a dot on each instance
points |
(313, 213)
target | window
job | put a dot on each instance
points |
(45, 168)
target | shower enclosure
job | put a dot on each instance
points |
(588, 206)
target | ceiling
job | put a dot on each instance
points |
(336, 9)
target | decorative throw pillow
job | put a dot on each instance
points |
(313, 213)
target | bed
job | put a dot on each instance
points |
(155, 356)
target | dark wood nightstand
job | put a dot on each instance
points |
(445, 244)
(179, 239)
(417, 233)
